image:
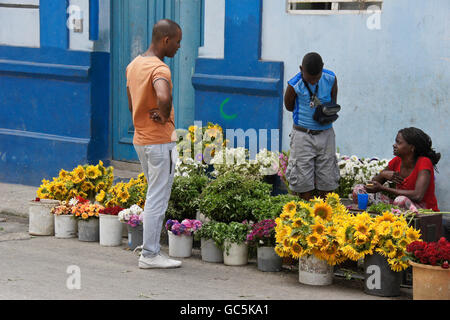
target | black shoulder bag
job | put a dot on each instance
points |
(325, 112)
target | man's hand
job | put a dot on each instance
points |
(156, 116)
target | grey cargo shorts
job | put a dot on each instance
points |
(312, 162)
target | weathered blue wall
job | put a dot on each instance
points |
(54, 104)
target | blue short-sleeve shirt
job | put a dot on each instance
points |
(303, 113)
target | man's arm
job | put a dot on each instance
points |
(164, 101)
(289, 98)
(130, 103)
(334, 91)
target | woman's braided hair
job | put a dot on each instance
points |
(422, 144)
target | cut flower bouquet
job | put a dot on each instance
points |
(187, 227)
(132, 216)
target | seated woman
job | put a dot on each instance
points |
(412, 171)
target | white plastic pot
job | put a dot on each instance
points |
(110, 231)
(180, 246)
(314, 272)
(237, 254)
(66, 227)
(210, 252)
(41, 220)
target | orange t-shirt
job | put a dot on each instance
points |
(141, 74)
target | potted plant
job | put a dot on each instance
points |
(87, 215)
(41, 220)
(431, 273)
(65, 225)
(110, 227)
(181, 237)
(235, 249)
(229, 197)
(381, 241)
(262, 236)
(308, 231)
(211, 235)
(133, 217)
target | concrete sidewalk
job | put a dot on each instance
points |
(36, 268)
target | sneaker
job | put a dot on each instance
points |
(158, 262)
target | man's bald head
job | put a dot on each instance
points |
(165, 28)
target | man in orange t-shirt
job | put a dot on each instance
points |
(149, 88)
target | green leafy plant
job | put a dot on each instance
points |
(382, 207)
(212, 230)
(227, 199)
(184, 199)
(236, 233)
(270, 207)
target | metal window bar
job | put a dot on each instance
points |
(330, 7)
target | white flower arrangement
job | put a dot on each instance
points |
(187, 166)
(357, 171)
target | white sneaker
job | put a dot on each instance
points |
(158, 262)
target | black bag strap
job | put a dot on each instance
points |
(311, 94)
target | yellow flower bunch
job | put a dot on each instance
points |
(386, 234)
(84, 181)
(309, 228)
(125, 194)
(205, 139)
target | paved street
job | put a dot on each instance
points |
(36, 268)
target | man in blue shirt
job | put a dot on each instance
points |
(312, 162)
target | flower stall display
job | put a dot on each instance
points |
(235, 248)
(110, 227)
(125, 194)
(431, 273)
(308, 231)
(133, 217)
(181, 236)
(212, 236)
(87, 215)
(85, 181)
(229, 197)
(262, 235)
(66, 226)
(354, 170)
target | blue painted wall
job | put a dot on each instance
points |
(54, 104)
(251, 88)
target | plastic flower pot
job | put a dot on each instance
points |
(268, 260)
(379, 279)
(180, 246)
(314, 272)
(430, 282)
(135, 236)
(41, 220)
(89, 230)
(237, 254)
(110, 231)
(66, 227)
(210, 252)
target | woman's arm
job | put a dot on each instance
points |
(416, 195)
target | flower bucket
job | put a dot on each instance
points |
(180, 246)
(314, 272)
(430, 282)
(41, 220)
(89, 230)
(110, 231)
(237, 254)
(135, 236)
(379, 279)
(210, 252)
(268, 260)
(66, 227)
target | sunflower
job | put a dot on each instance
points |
(387, 216)
(362, 228)
(351, 253)
(92, 172)
(287, 243)
(281, 252)
(87, 186)
(333, 199)
(384, 228)
(403, 243)
(101, 196)
(313, 239)
(296, 250)
(79, 175)
(390, 249)
(318, 229)
(290, 208)
(323, 210)
(412, 234)
(123, 196)
(397, 265)
(397, 232)
(298, 222)
(100, 186)
(63, 174)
